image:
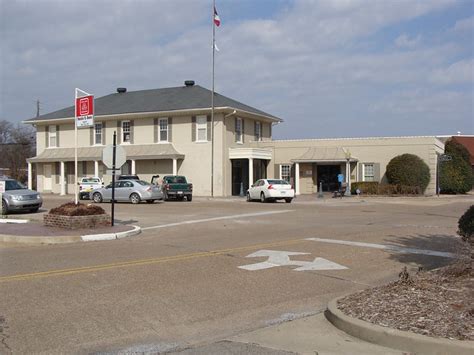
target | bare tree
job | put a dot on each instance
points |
(17, 143)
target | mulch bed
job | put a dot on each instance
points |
(71, 209)
(438, 303)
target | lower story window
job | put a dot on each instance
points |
(285, 172)
(369, 172)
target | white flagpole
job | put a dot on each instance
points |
(75, 148)
(212, 97)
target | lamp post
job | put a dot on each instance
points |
(348, 173)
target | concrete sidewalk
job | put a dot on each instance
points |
(309, 335)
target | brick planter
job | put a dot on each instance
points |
(76, 222)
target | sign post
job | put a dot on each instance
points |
(84, 112)
(113, 158)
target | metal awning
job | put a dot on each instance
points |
(134, 152)
(325, 155)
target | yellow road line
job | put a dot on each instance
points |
(62, 272)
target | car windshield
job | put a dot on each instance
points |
(90, 180)
(143, 183)
(278, 182)
(14, 185)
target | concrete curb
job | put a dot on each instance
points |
(17, 221)
(69, 239)
(111, 236)
(393, 338)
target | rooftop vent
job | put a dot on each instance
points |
(189, 83)
(121, 90)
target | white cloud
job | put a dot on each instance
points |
(404, 41)
(461, 72)
(466, 24)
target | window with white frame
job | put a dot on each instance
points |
(285, 172)
(258, 131)
(98, 133)
(201, 129)
(52, 136)
(369, 172)
(238, 130)
(126, 133)
(163, 124)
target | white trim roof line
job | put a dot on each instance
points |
(357, 138)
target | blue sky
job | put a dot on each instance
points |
(342, 68)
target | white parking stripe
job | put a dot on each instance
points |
(235, 216)
(386, 247)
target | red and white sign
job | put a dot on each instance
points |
(84, 109)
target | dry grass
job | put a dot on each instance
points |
(71, 209)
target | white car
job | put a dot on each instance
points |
(87, 184)
(270, 190)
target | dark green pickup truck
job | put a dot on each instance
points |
(175, 186)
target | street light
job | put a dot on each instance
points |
(348, 173)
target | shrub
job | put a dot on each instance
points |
(466, 228)
(408, 170)
(71, 209)
(388, 189)
(456, 175)
(367, 188)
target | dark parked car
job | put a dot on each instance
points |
(175, 186)
(17, 197)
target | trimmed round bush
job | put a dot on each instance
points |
(408, 170)
(466, 228)
(456, 175)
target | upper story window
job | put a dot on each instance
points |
(369, 172)
(258, 131)
(163, 125)
(98, 133)
(285, 172)
(126, 132)
(238, 130)
(52, 136)
(201, 129)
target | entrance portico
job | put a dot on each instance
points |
(319, 166)
(248, 165)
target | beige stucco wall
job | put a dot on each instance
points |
(365, 150)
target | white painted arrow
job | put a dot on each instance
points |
(275, 258)
(282, 258)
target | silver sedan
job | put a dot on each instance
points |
(18, 197)
(128, 190)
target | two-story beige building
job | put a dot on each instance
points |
(168, 131)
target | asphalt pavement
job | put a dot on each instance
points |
(216, 275)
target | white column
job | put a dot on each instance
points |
(133, 167)
(251, 172)
(96, 168)
(62, 180)
(175, 166)
(347, 172)
(30, 176)
(297, 178)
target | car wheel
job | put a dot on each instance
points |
(189, 198)
(150, 201)
(288, 200)
(262, 198)
(134, 198)
(4, 207)
(97, 197)
(80, 197)
(248, 197)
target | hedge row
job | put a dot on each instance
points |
(375, 188)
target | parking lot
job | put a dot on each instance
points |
(205, 270)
